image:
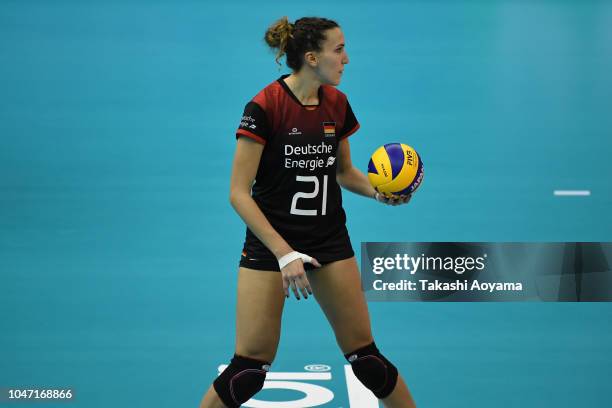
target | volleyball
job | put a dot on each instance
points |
(395, 169)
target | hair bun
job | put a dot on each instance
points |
(278, 34)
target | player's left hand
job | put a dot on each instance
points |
(394, 200)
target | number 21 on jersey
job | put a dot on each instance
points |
(294, 202)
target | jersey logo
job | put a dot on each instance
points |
(247, 122)
(294, 132)
(329, 129)
(330, 161)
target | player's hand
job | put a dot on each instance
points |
(294, 275)
(393, 200)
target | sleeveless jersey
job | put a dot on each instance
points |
(295, 186)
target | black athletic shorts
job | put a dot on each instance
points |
(337, 247)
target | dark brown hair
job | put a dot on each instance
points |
(294, 40)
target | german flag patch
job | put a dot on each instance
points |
(329, 129)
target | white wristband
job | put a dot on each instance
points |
(292, 256)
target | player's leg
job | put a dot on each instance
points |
(259, 310)
(337, 288)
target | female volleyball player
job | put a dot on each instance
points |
(292, 157)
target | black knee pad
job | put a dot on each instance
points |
(373, 370)
(242, 379)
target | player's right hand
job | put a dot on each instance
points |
(294, 275)
(393, 200)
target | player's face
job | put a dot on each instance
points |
(332, 58)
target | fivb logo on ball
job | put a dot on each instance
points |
(313, 385)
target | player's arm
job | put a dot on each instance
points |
(348, 176)
(246, 161)
(244, 169)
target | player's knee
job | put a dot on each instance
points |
(241, 380)
(374, 371)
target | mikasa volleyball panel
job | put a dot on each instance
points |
(295, 186)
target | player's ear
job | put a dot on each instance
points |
(311, 59)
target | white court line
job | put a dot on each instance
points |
(565, 193)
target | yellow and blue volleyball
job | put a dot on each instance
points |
(395, 169)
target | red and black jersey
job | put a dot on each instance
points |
(295, 186)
